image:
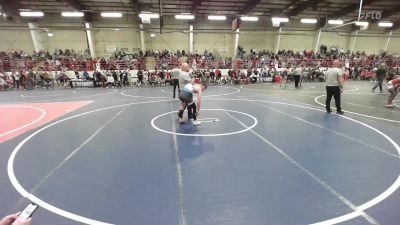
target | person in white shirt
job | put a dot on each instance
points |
(16, 79)
(334, 86)
(175, 80)
(298, 72)
(110, 81)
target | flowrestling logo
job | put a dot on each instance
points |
(373, 15)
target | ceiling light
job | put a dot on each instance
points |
(385, 24)
(0, 13)
(249, 18)
(310, 21)
(31, 14)
(279, 19)
(184, 17)
(50, 34)
(217, 17)
(152, 35)
(72, 14)
(111, 14)
(149, 15)
(116, 29)
(362, 23)
(335, 22)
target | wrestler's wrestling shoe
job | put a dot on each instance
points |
(195, 123)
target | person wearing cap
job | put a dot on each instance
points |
(334, 86)
(186, 97)
(380, 76)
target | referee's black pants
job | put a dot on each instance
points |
(335, 92)
(176, 83)
(296, 80)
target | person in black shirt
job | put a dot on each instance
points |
(380, 76)
(212, 76)
(140, 78)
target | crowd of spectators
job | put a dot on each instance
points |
(33, 70)
(321, 58)
(78, 60)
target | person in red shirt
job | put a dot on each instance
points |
(218, 75)
(217, 72)
(394, 89)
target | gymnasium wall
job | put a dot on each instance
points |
(258, 40)
(394, 44)
(65, 39)
(369, 44)
(121, 39)
(331, 38)
(216, 37)
(171, 41)
(220, 44)
(17, 40)
(298, 40)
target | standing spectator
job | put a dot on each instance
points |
(115, 76)
(121, 77)
(212, 76)
(15, 77)
(140, 78)
(126, 78)
(380, 76)
(161, 75)
(334, 86)
(218, 75)
(86, 75)
(230, 75)
(22, 80)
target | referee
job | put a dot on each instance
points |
(184, 78)
(334, 86)
(298, 72)
(175, 80)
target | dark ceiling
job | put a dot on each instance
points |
(332, 9)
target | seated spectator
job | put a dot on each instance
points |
(161, 76)
(152, 79)
(86, 75)
(253, 78)
(3, 83)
